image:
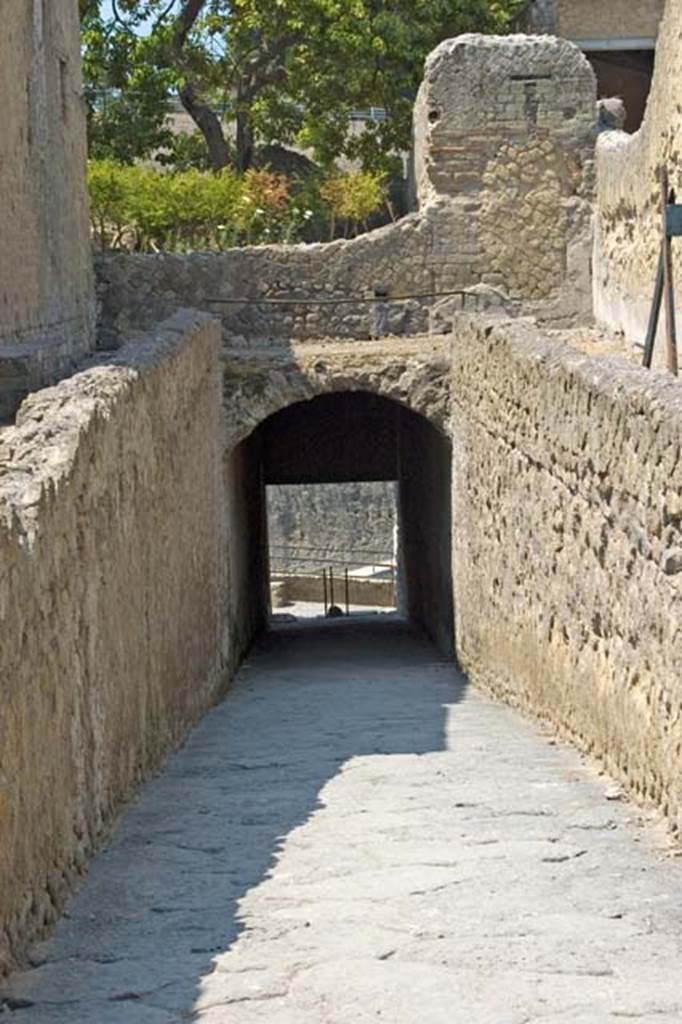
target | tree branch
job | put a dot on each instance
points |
(267, 67)
(186, 21)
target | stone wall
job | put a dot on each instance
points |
(504, 139)
(567, 532)
(425, 519)
(628, 220)
(609, 19)
(331, 520)
(585, 19)
(117, 552)
(46, 293)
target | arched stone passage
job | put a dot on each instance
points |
(353, 436)
(260, 381)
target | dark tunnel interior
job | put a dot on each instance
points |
(341, 437)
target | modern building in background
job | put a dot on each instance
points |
(618, 36)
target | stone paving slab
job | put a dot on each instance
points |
(355, 835)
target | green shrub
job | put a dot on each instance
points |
(146, 209)
(354, 198)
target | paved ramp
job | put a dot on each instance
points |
(353, 836)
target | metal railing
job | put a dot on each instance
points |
(336, 574)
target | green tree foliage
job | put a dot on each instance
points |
(288, 71)
(127, 88)
(353, 198)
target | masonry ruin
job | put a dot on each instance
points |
(540, 482)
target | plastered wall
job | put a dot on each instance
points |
(123, 601)
(567, 538)
(628, 215)
(46, 281)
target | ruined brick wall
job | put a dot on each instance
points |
(116, 557)
(504, 139)
(46, 294)
(506, 129)
(628, 217)
(567, 535)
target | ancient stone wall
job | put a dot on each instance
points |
(628, 218)
(117, 552)
(46, 293)
(504, 138)
(567, 534)
(425, 519)
(342, 521)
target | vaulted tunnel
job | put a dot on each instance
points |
(342, 437)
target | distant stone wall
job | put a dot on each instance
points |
(585, 19)
(116, 557)
(628, 218)
(567, 533)
(46, 281)
(504, 140)
(331, 520)
(609, 19)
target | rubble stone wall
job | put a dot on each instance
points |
(114, 613)
(46, 280)
(628, 216)
(504, 140)
(567, 537)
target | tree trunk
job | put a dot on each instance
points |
(208, 123)
(245, 142)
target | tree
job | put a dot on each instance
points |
(287, 71)
(126, 89)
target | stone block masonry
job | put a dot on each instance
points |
(115, 564)
(567, 534)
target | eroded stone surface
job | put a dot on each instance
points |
(116, 632)
(352, 836)
(261, 380)
(628, 213)
(567, 513)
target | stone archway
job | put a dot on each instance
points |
(261, 381)
(349, 434)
